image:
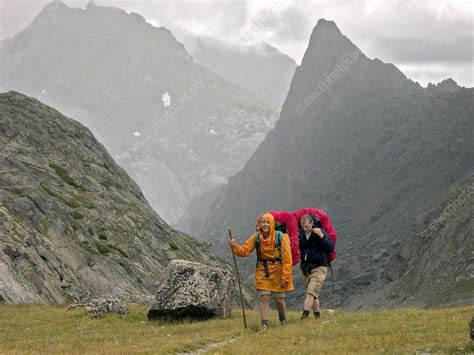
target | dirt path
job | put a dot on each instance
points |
(211, 346)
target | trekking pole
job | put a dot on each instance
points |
(238, 278)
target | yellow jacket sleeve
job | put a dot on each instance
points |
(246, 248)
(286, 260)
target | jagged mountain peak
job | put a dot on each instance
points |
(327, 26)
(327, 35)
(445, 85)
(58, 11)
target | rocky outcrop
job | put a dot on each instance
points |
(177, 128)
(192, 290)
(99, 307)
(435, 262)
(73, 224)
(356, 138)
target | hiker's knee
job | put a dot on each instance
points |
(265, 299)
(279, 301)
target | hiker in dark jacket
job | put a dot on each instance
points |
(315, 247)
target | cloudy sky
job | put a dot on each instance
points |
(429, 40)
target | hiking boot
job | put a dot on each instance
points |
(262, 327)
(283, 322)
(317, 315)
(304, 315)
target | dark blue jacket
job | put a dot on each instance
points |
(314, 251)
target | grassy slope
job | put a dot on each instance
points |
(47, 329)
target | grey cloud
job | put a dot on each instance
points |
(408, 50)
(290, 24)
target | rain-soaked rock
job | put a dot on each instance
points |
(193, 290)
(98, 307)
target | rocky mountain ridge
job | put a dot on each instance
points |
(434, 263)
(177, 128)
(73, 224)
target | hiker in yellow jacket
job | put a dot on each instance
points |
(273, 275)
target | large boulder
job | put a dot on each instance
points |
(193, 290)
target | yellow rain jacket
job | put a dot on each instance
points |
(268, 251)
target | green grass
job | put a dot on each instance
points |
(77, 215)
(73, 203)
(110, 248)
(101, 234)
(45, 225)
(118, 250)
(53, 330)
(87, 247)
(64, 175)
(103, 249)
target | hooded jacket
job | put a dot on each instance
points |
(281, 270)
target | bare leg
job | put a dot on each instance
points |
(280, 306)
(264, 307)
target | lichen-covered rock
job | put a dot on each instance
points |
(193, 290)
(98, 307)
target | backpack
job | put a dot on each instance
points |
(325, 222)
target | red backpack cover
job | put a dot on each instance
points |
(291, 224)
(325, 222)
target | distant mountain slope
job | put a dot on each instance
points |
(176, 127)
(434, 264)
(72, 222)
(259, 68)
(357, 138)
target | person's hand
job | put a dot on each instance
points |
(318, 232)
(232, 242)
(283, 284)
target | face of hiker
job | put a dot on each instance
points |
(264, 225)
(307, 226)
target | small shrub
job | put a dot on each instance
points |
(64, 175)
(17, 238)
(101, 234)
(45, 225)
(76, 215)
(71, 203)
(120, 251)
(103, 249)
(173, 246)
(84, 200)
(49, 191)
(87, 247)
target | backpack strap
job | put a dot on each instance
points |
(278, 237)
